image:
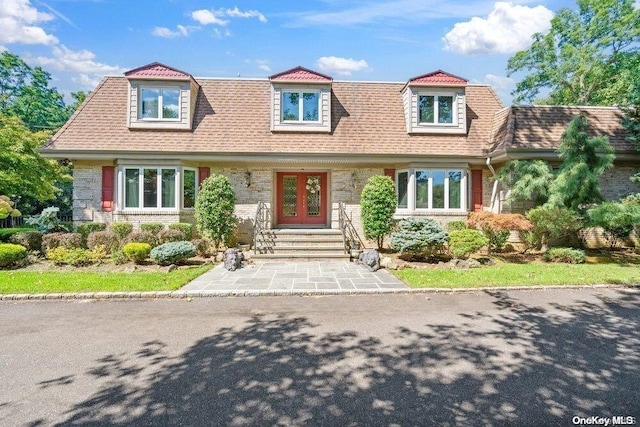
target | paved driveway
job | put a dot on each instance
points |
(296, 276)
(532, 358)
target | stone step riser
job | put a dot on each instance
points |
(302, 243)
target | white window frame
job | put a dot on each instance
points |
(300, 93)
(141, 207)
(195, 195)
(160, 103)
(412, 189)
(436, 111)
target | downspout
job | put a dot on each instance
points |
(494, 192)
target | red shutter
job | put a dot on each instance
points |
(476, 190)
(203, 173)
(108, 183)
(391, 173)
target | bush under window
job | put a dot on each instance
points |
(173, 252)
(463, 243)
(419, 237)
(137, 252)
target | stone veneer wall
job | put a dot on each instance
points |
(87, 193)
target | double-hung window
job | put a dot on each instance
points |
(300, 106)
(435, 109)
(431, 189)
(159, 103)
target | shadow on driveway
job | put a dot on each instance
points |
(520, 363)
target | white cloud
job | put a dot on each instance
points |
(81, 62)
(237, 13)
(262, 64)
(18, 24)
(215, 17)
(341, 66)
(181, 31)
(507, 29)
(206, 17)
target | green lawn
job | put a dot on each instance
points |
(33, 282)
(535, 273)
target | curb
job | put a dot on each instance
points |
(291, 292)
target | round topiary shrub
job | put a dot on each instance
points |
(89, 227)
(122, 229)
(64, 240)
(377, 206)
(152, 227)
(215, 209)
(463, 243)
(419, 237)
(108, 239)
(32, 240)
(142, 237)
(137, 252)
(169, 235)
(185, 227)
(173, 252)
(11, 254)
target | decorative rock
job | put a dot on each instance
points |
(232, 259)
(388, 263)
(370, 259)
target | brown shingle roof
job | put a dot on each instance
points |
(233, 116)
(541, 127)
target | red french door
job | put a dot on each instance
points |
(302, 198)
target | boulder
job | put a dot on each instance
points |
(370, 259)
(232, 259)
(388, 263)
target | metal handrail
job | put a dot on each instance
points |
(350, 237)
(261, 223)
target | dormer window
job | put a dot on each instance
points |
(161, 97)
(301, 101)
(159, 103)
(300, 106)
(435, 103)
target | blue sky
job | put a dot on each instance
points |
(79, 41)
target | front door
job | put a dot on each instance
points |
(302, 198)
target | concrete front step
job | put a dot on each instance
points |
(280, 257)
(301, 244)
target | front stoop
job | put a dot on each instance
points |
(301, 245)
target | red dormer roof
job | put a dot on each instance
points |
(157, 70)
(301, 74)
(438, 78)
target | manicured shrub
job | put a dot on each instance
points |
(552, 223)
(498, 227)
(87, 228)
(456, 226)
(204, 247)
(106, 238)
(152, 227)
(142, 237)
(185, 227)
(32, 240)
(11, 254)
(173, 252)
(616, 219)
(118, 257)
(65, 240)
(419, 237)
(463, 243)
(377, 206)
(47, 221)
(566, 255)
(214, 209)
(6, 233)
(169, 235)
(77, 257)
(122, 229)
(137, 252)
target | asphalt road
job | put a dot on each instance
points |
(487, 358)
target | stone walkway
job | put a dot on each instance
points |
(296, 277)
